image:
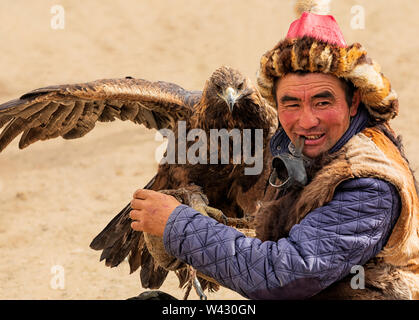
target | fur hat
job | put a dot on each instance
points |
(315, 44)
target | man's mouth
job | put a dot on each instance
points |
(314, 139)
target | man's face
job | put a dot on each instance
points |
(313, 105)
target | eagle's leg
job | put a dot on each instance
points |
(194, 281)
(199, 202)
(238, 223)
(198, 288)
(217, 215)
(193, 197)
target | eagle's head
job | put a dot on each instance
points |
(227, 90)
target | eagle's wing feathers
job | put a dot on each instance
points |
(71, 111)
(118, 241)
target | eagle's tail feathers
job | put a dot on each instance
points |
(118, 226)
(152, 275)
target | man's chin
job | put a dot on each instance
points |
(313, 152)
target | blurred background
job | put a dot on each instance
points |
(56, 196)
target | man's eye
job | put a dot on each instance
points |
(292, 105)
(323, 103)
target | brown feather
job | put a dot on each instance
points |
(154, 104)
(112, 232)
(134, 258)
(51, 130)
(152, 276)
(18, 125)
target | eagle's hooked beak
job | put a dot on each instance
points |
(230, 96)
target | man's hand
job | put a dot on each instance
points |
(151, 210)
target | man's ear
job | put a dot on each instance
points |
(356, 100)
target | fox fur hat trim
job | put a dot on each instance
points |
(351, 63)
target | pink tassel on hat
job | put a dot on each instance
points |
(318, 25)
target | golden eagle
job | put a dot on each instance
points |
(229, 101)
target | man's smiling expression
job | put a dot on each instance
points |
(314, 105)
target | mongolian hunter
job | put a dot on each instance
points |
(345, 195)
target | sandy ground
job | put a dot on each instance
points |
(55, 196)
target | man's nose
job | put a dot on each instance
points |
(308, 119)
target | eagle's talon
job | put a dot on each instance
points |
(198, 289)
(216, 214)
(187, 195)
(193, 281)
(198, 201)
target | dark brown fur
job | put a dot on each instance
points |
(275, 218)
(398, 142)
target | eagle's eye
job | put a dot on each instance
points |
(240, 86)
(218, 87)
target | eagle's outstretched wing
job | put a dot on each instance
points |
(72, 110)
